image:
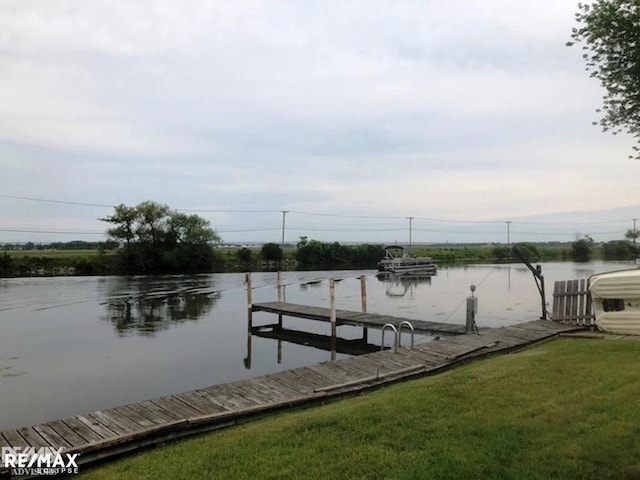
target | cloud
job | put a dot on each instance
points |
(468, 110)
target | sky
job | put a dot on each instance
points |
(473, 117)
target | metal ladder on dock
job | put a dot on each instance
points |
(397, 339)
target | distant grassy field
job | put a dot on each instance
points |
(567, 409)
(52, 253)
(441, 253)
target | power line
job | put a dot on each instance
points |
(333, 215)
(61, 232)
(64, 202)
(248, 230)
(195, 210)
(340, 215)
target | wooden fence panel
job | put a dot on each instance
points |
(572, 302)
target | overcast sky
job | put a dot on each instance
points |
(351, 115)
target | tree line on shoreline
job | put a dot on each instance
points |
(150, 238)
(310, 255)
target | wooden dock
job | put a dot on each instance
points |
(108, 433)
(357, 319)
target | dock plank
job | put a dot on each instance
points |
(198, 408)
(269, 390)
(201, 401)
(114, 424)
(13, 439)
(33, 438)
(158, 411)
(97, 427)
(126, 416)
(51, 436)
(144, 413)
(82, 430)
(70, 436)
(282, 386)
(182, 410)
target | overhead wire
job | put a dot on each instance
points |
(351, 228)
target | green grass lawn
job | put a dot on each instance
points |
(566, 409)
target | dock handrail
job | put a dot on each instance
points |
(395, 339)
(411, 329)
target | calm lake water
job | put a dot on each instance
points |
(71, 345)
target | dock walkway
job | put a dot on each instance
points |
(111, 432)
(358, 319)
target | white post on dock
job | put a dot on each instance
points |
(332, 309)
(472, 309)
(363, 301)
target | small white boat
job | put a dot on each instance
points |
(397, 262)
(616, 301)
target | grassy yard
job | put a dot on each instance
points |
(565, 409)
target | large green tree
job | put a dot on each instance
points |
(123, 219)
(189, 229)
(158, 239)
(609, 31)
(581, 249)
(633, 235)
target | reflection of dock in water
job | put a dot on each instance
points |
(399, 285)
(356, 346)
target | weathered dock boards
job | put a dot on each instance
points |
(108, 433)
(358, 319)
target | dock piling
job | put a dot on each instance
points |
(247, 280)
(363, 302)
(333, 316)
(280, 296)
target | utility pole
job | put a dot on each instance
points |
(284, 216)
(635, 232)
(410, 229)
(509, 222)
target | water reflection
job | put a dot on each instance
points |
(400, 285)
(325, 343)
(145, 306)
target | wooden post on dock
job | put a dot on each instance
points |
(363, 293)
(280, 295)
(543, 299)
(363, 301)
(332, 317)
(247, 280)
